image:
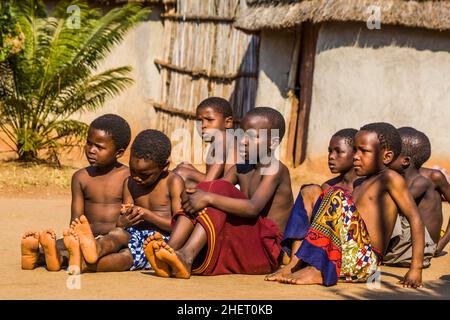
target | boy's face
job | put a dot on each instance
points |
(145, 172)
(340, 155)
(255, 137)
(211, 121)
(100, 150)
(368, 157)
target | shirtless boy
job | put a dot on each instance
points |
(340, 161)
(441, 185)
(151, 195)
(338, 244)
(96, 192)
(428, 201)
(215, 116)
(236, 231)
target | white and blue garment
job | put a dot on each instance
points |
(136, 246)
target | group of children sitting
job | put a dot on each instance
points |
(240, 216)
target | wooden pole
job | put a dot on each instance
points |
(293, 99)
(308, 52)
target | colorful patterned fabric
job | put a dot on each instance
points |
(337, 242)
(136, 246)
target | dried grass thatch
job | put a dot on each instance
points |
(286, 14)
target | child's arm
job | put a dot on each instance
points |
(199, 199)
(189, 173)
(128, 217)
(176, 190)
(231, 175)
(398, 190)
(443, 187)
(77, 205)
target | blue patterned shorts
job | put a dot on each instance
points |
(136, 246)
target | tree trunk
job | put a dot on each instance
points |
(27, 156)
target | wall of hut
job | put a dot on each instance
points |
(203, 56)
(395, 74)
(275, 64)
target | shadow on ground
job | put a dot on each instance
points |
(390, 289)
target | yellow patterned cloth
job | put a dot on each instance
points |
(337, 243)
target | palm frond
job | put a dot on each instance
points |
(56, 74)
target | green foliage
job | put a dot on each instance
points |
(54, 76)
(11, 37)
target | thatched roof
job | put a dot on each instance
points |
(284, 14)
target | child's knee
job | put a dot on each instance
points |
(127, 257)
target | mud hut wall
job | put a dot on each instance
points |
(396, 74)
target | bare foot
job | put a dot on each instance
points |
(87, 241)
(283, 272)
(308, 275)
(72, 244)
(30, 250)
(161, 268)
(279, 274)
(181, 269)
(47, 239)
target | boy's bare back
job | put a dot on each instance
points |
(429, 204)
(98, 196)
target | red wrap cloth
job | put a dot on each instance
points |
(236, 244)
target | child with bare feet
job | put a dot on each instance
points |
(338, 245)
(151, 195)
(340, 161)
(235, 231)
(96, 192)
(413, 156)
(215, 116)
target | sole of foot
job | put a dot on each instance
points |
(166, 254)
(47, 239)
(29, 250)
(86, 237)
(72, 244)
(161, 268)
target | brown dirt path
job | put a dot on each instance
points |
(20, 214)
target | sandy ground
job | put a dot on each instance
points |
(21, 214)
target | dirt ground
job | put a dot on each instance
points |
(19, 214)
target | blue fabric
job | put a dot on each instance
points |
(319, 259)
(298, 223)
(136, 246)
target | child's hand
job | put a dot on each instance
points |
(412, 279)
(130, 215)
(196, 201)
(126, 208)
(135, 216)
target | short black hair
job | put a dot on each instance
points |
(387, 135)
(152, 145)
(116, 126)
(274, 117)
(219, 105)
(348, 134)
(416, 145)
